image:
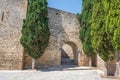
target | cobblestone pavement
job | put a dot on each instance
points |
(51, 75)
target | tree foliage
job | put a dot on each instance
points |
(115, 23)
(105, 21)
(35, 31)
(85, 29)
(100, 27)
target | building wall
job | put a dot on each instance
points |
(12, 13)
(100, 63)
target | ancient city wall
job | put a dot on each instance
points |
(12, 13)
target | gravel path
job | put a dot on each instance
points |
(51, 75)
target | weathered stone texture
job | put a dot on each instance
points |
(100, 63)
(118, 69)
(12, 13)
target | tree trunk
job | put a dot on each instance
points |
(94, 60)
(111, 67)
(33, 63)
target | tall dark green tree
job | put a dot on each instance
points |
(100, 38)
(114, 13)
(105, 21)
(35, 31)
(85, 30)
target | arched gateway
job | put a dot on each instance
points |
(69, 54)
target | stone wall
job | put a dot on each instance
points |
(12, 13)
(100, 63)
(64, 29)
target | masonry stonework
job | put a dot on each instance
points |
(12, 13)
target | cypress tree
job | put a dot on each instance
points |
(100, 40)
(35, 31)
(114, 23)
(85, 30)
(105, 31)
(104, 23)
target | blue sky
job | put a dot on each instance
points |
(73, 6)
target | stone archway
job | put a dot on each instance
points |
(69, 54)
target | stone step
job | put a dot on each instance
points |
(67, 61)
(75, 67)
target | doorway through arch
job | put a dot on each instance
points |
(69, 54)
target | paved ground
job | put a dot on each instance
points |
(51, 75)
